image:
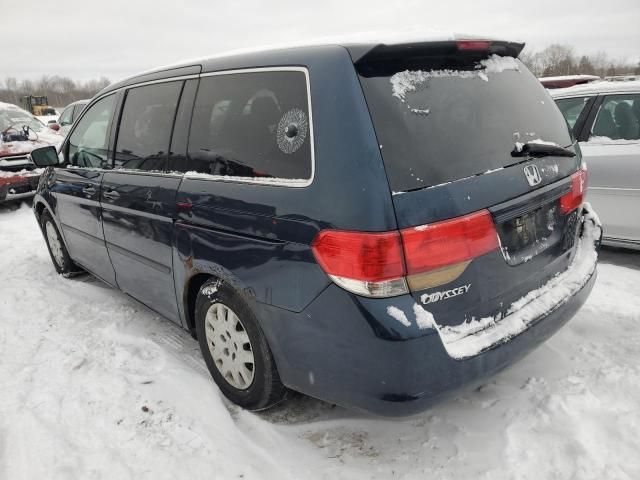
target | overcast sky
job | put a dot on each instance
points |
(115, 38)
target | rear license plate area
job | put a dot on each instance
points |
(527, 235)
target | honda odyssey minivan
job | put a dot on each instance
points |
(374, 225)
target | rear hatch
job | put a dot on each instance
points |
(482, 168)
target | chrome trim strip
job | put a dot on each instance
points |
(203, 177)
(113, 248)
(271, 181)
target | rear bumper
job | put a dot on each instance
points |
(350, 351)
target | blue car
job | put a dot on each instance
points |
(374, 225)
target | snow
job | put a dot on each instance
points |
(399, 315)
(46, 119)
(230, 178)
(371, 37)
(472, 337)
(594, 88)
(424, 319)
(569, 77)
(519, 145)
(599, 140)
(95, 386)
(409, 81)
(21, 173)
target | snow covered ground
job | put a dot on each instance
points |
(94, 386)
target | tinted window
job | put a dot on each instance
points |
(444, 117)
(571, 108)
(89, 141)
(253, 125)
(145, 126)
(618, 118)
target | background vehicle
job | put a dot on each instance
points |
(38, 105)
(20, 133)
(605, 118)
(356, 222)
(564, 81)
(69, 115)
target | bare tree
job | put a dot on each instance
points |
(559, 59)
(60, 91)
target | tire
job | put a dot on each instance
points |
(57, 249)
(231, 340)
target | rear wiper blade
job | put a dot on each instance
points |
(535, 149)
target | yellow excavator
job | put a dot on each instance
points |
(38, 105)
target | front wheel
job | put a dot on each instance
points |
(235, 349)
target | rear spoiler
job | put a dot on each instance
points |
(363, 55)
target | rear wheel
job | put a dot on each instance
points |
(57, 250)
(235, 349)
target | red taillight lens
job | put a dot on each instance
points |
(448, 242)
(473, 45)
(572, 200)
(369, 257)
(373, 264)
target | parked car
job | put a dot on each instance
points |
(605, 118)
(374, 225)
(564, 81)
(70, 114)
(20, 133)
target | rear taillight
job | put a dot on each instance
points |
(438, 253)
(391, 263)
(573, 199)
(473, 45)
(369, 264)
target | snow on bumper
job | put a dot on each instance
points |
(471, 338)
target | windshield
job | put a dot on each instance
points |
(17, 119)
(449, 117)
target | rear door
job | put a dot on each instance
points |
(612, 153)
(138, 197)
(77, 188)
(472, 145)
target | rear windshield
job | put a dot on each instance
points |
(444, 118)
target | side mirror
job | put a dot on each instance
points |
(54, 126)
(44, 156)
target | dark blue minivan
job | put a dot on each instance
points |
(374, 225)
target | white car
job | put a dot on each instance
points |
(70, 114)
(605, 118)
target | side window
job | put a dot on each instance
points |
(571, 108)
(252, 125)
(77, 110)
(618, 118)
(89, 141)
(145, 126)
(65, 117)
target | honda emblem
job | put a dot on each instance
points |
(533, 175)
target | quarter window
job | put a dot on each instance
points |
(145, 126)
(88, 143)
(251, 125)
(618, 118)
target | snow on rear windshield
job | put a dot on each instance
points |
(445, 118)
(412, 80)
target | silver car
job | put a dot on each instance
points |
(605, 118)
(69, 115)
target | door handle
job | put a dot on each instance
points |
(89, 190)
(111, 194)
